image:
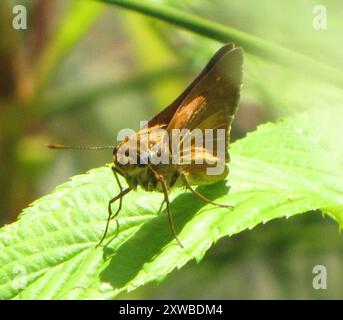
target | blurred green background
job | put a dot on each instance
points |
(81, 71)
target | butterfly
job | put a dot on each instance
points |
(207, 106)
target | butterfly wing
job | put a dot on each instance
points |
(166, 115)
(210, 102)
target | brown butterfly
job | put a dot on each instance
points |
(208, 105)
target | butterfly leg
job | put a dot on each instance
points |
(166, 200)
(170, 217)
(202, 197)
(111, 215)
(120, 196)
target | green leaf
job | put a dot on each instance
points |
(280, 170)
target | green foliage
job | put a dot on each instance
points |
(252, 44)
(74, 25)
(280, 170)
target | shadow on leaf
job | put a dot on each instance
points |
(149, 240)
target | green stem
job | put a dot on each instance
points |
(76, 22)
(257, 46)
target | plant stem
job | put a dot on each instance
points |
(72, 28)
(257, 46)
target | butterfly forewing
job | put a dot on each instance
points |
(166, 115)
(210, 103)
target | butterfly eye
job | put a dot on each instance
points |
(127, 152)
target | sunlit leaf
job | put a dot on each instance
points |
(280, 170)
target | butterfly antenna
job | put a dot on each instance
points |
(62, 146)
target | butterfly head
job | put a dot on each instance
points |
(131, 163)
